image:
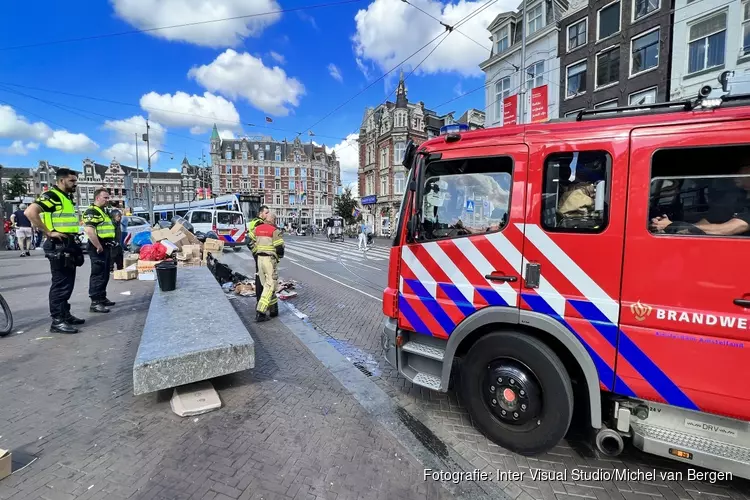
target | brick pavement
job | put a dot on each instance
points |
(351, 317)
(288, 429)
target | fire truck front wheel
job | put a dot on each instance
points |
(517, 391)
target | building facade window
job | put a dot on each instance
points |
(261, 155)
(535, 19)
(575, 79)
(303, 172)
(642, 97)
(277, 184)
(398, 153)
(608, 20)
(578, 34)
(278, 172)
(383, 185)
(291, 185)
(642, 8)
(746, 28)
(707, 43)
(278, 199)
(278, 155)
(399, 183)
(244, 155)
(292, 199)
(244, 170)
(503, 39)
(644, 52)
(227, 156)
(535, 75)
(261, 171)
(292, 171)
(606, 104)
(608, 67)
(502, 90)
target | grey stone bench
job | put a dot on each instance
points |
(191, 334)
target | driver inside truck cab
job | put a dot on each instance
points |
(728, 211)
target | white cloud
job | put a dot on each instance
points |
(199, 113)
(227, 134)
(18, 148)
(173, 171)
(236, 75)
(335, 72)
(15, 126)
(145, 14)
(124, 131)
(278, 57)
(354, 186)
(389, 31)
(71, 143)
(347, 152)
(363, 67)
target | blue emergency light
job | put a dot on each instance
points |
(454, 128)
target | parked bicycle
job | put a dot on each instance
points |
(6, 318)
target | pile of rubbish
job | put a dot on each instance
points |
(245, 287)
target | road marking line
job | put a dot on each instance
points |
(303, 255)
(340, 283)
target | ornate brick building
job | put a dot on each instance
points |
(299, 181)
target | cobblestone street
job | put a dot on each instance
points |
(287, 429)
(339, 289)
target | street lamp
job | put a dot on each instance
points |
(150, 155)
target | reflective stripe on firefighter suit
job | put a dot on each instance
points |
(269, 248)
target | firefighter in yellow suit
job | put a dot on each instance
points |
(269, 247)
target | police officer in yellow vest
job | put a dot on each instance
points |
(54, 213)
(100, 231)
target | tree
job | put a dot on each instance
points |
(16, 186)
(345, 205)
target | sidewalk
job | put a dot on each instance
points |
(288, 429)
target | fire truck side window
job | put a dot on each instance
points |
(466, 196)
(700, 192)
(576, 192)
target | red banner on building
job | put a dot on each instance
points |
(539, 104)
(510, 110)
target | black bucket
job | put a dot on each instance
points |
(166, 274)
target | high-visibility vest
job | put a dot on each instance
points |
(64, 218)
(251, 232)
(104, 230)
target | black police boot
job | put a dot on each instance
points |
(98, 307)
(107, 302)
(62, 326)
(72, 320)
(260, 317)
(274, 310)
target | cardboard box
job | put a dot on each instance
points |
(192, 251)
(179, 228)
(213, 245)
(178, 239)
(169, 246)
(124, 274)
(5, 463)
(145, 266)
(130, 259)
(158, 235)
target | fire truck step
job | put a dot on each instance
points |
(427, 380)
(421, 349)
(705, 452)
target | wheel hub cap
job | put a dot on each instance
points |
(512, 393)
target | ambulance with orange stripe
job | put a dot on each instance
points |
(593, 266)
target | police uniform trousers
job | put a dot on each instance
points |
(63, 274)
(100, 265)
(269, 276)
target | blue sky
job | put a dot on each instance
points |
(234, 72)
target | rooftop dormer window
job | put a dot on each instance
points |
(503, 39)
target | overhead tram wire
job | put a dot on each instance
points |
(150, 109)
(73, 109)
(184, 25)
(448, 30)
(444, 24)
(491, 80)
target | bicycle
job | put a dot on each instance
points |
(6, 318)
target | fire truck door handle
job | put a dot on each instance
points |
(742, 302)
(501, 277)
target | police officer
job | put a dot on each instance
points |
(260, 219)
(54, 213)
(269, 249)
(101, 234)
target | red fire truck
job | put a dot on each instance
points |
(591, 264)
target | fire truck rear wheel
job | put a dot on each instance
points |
(517, 391)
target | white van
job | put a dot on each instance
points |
(229, 225)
